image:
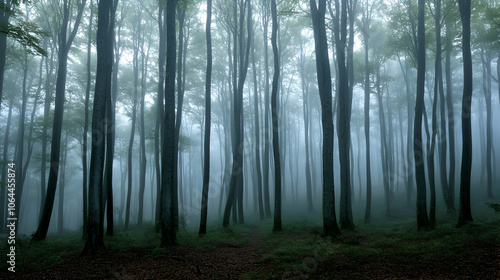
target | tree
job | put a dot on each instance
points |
(65, 40)
(208, 112)
(168, 236)
(85, 126)
(24, 32)
(235, 195)
(274, 110)
(366, 19)
(464, 212)
(422, 219)
(330, 227)
(344, 118)
(96, 173)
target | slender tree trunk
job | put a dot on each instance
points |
(258, 172)
(464, 214)
(344, 119)
(86, 124)
(62, 186)
(422, 219)
(330, 227)
(266, 160)
(64, 47)
(4, 20)
(274, 110)
(208, 112)
(451, 119)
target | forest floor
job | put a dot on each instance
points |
(380, 250)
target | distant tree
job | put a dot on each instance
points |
(464, 214)
(65, 40)
(274, 110)
(240, 64)
(208, 112)
(86, 123)
(330, 227)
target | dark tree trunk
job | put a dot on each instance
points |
(305, 111)
(422, 219)
(111, 94)
(266, 160)
(168, 235)
(143, 160)
(451, 119)
(258, 170)
(274, 110)
(103, 76)
(464, 214)
(208, 112)
(64, 47)
(160, 107)
(344, 118)
(366, 20)
(178, 119)
(330, 227)
(4, 20)
(235, 195)
(86, 124)
(62, 186)
(137, 40)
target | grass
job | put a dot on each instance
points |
(297, 250)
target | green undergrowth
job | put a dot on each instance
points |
(300, 249)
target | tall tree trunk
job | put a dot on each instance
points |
(86, 124)
(236, 183)
(111, 96)
(168, 236)
(178, 119)
(103, 76)
(486, 60)
(451, 119)
(464, 214)
(305, 111)
(257, 136)
(274, 110)
(208, 112)
(159, 104)
(344, 118)
(143, 160)
(367, 14)
(422, 219)
(62, 186)
(330, 227)
(266, 160)
(64, 47)
(137, 40)
(4, 21)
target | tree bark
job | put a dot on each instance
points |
(64, 47)
(464, 212)
(422, 219)
(168, 235)
(208, 112)
(330, 227)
